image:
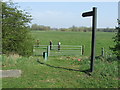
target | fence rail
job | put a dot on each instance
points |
(65, 50)
(39, 49)
(54, 51)
(106, 53)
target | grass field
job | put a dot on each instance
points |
(103, 39)
(64, 71)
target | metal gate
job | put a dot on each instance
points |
(54, 50)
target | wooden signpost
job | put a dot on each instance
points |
(94, 23)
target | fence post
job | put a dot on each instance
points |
(48, 50)
(83, 48)
(34, 49)
(106, 55)
(103, 52)
(45, 55)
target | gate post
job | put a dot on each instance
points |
(83, 49)
(48, 50)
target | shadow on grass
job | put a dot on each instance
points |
(85, 71)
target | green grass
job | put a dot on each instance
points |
(103, 39)
(64, 71)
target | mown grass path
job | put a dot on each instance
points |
(62, 72)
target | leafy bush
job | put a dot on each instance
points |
(116, 48)
(15, 30)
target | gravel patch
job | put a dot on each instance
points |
(10, 73)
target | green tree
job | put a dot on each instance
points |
(15, 30)
(116, 48)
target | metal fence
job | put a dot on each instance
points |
(39, 49)
(54, 50)
(65, 50)
(107, 53)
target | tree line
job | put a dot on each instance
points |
(72, 28)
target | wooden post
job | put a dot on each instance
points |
(94, 23)
(103, 52)
(93, 38)
(83, 49)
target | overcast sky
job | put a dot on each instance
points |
(67, 14)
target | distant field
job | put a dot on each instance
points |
(103, 39)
